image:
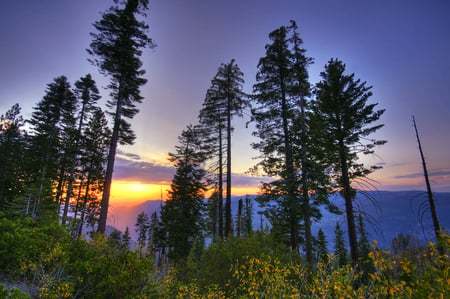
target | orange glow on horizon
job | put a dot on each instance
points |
(125, 192)
(132, 193)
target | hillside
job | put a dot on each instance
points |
(390, 213)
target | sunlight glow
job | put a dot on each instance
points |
(125, 192)
(131, 193)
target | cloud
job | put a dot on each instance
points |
(433, 173)
(128, 155)
(142, 171)
(130, 167)
(242, 180)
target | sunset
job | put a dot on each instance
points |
(224, 149)
(132, 193)
(400, 49)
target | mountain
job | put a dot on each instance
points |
(122, 217)
(388, 213)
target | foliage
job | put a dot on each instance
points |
(266, 276)
(13, 293)
(46, 257)
(212, 267)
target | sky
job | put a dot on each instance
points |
(401, 48)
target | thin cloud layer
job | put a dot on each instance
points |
(433, 173)
(141, 171)
(130, 167)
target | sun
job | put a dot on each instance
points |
(125, 192)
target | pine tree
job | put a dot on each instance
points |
(126, 239)
(13, 143)
(115, 239)
(365, 263)
(247, 221)
(181, 216)
(308, 156)
(153, 234)
(346, 120)
(224, 100)
(274, 114)
(93, 157)
(117, 48)
(51, 127)
(283, 122)
(87, 92)
(340, 250)
(363, 239)
(321, 247)
(142, 226)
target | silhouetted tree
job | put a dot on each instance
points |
(88, 95)
(154, 234)
(116, 48)
(346, 120)
(364, 248)
(224, 100)
(181, 216)
(289, 151)
(142, 226)
(126, 239)
(93, 157)
(340, 250)
(13, 143)
(247, 217)
(309, 157)
(115, 239)
(274, 112)
(321, 247)
(431, 204)
(51, 123)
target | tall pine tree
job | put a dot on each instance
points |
(225, 99)
(88, 95)
(116, 48)
(51, 123)
(274, 112)
(346, 120)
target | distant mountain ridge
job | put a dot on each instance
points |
(389, 212)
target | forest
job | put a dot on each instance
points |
(56, 170)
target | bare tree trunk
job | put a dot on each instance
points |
(437, 227)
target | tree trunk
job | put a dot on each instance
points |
(228, 226)
(239, 219)
(437, 227)
(290, 177)
(348, 197)
(72, 167)
(110, 166)
(220, 193)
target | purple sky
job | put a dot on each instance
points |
(399, 47)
